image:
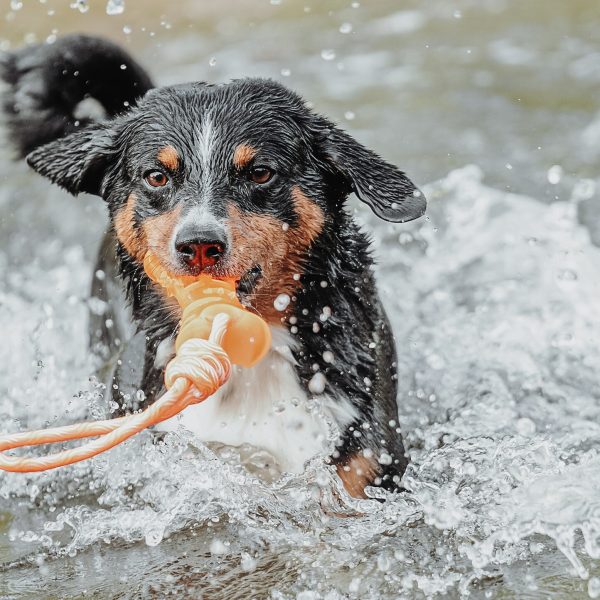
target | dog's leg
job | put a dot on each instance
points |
(110, 319)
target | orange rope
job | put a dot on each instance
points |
(198, 370)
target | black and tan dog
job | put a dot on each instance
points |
(243, 180)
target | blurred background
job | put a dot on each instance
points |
(432, 85)
(493, 106)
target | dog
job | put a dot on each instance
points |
(240, 180)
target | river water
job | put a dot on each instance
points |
(493, 106)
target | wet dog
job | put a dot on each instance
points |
(241, 180)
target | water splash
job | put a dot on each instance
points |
(115, 7)
(497, 363)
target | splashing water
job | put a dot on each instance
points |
(493, 298)
(115, 7)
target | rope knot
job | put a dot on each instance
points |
(203, 363)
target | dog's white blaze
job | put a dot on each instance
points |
(267, 407)
(202, 215)
(205, 147)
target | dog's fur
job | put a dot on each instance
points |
(290, 237)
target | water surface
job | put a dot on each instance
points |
(494, 107)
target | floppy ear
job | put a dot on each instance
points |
(391, 195)
(76, 162)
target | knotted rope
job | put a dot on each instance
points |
(198, 370)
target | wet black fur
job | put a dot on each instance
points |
(304, 149)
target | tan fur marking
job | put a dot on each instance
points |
(168, 157)
(158, 232)
(310, 216)
(130, 237)
(281, 252)
(243, 154)
(357, 473)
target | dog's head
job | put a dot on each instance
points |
(237, 180)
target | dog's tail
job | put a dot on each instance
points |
(47, 82)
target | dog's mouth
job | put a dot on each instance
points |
(248, 282)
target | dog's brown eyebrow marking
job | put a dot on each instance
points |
(242, 155)
(168, 157)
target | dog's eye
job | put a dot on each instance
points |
(260, 174)
(156, 178)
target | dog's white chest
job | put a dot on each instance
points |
(266, 406)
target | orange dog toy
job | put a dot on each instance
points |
(216, 330)
(248, 337)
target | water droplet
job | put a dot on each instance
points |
(115, 7)
(127, 30)
(16, 4)
(212, 62)
(567, 275)
(248, 563)
(80, 5)
(525, 427)
(385, 459)
(354, 586)
(594, 587)
(328, 54)
(384, 563)
(349, 115)
(435, 361)
(322, 479)
(317, 383)
(281, 302)
(218, 547)
(154, 536)
(328, 356)
(286, 72)
(325, 314)
(584, 189)
(346, 28)
(555, 174)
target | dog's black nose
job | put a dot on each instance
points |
(200, 248)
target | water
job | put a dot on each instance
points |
(493, 299)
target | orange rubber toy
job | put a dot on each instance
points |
(215, 331)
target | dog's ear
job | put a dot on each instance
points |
(76, 162)
(391, 195)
